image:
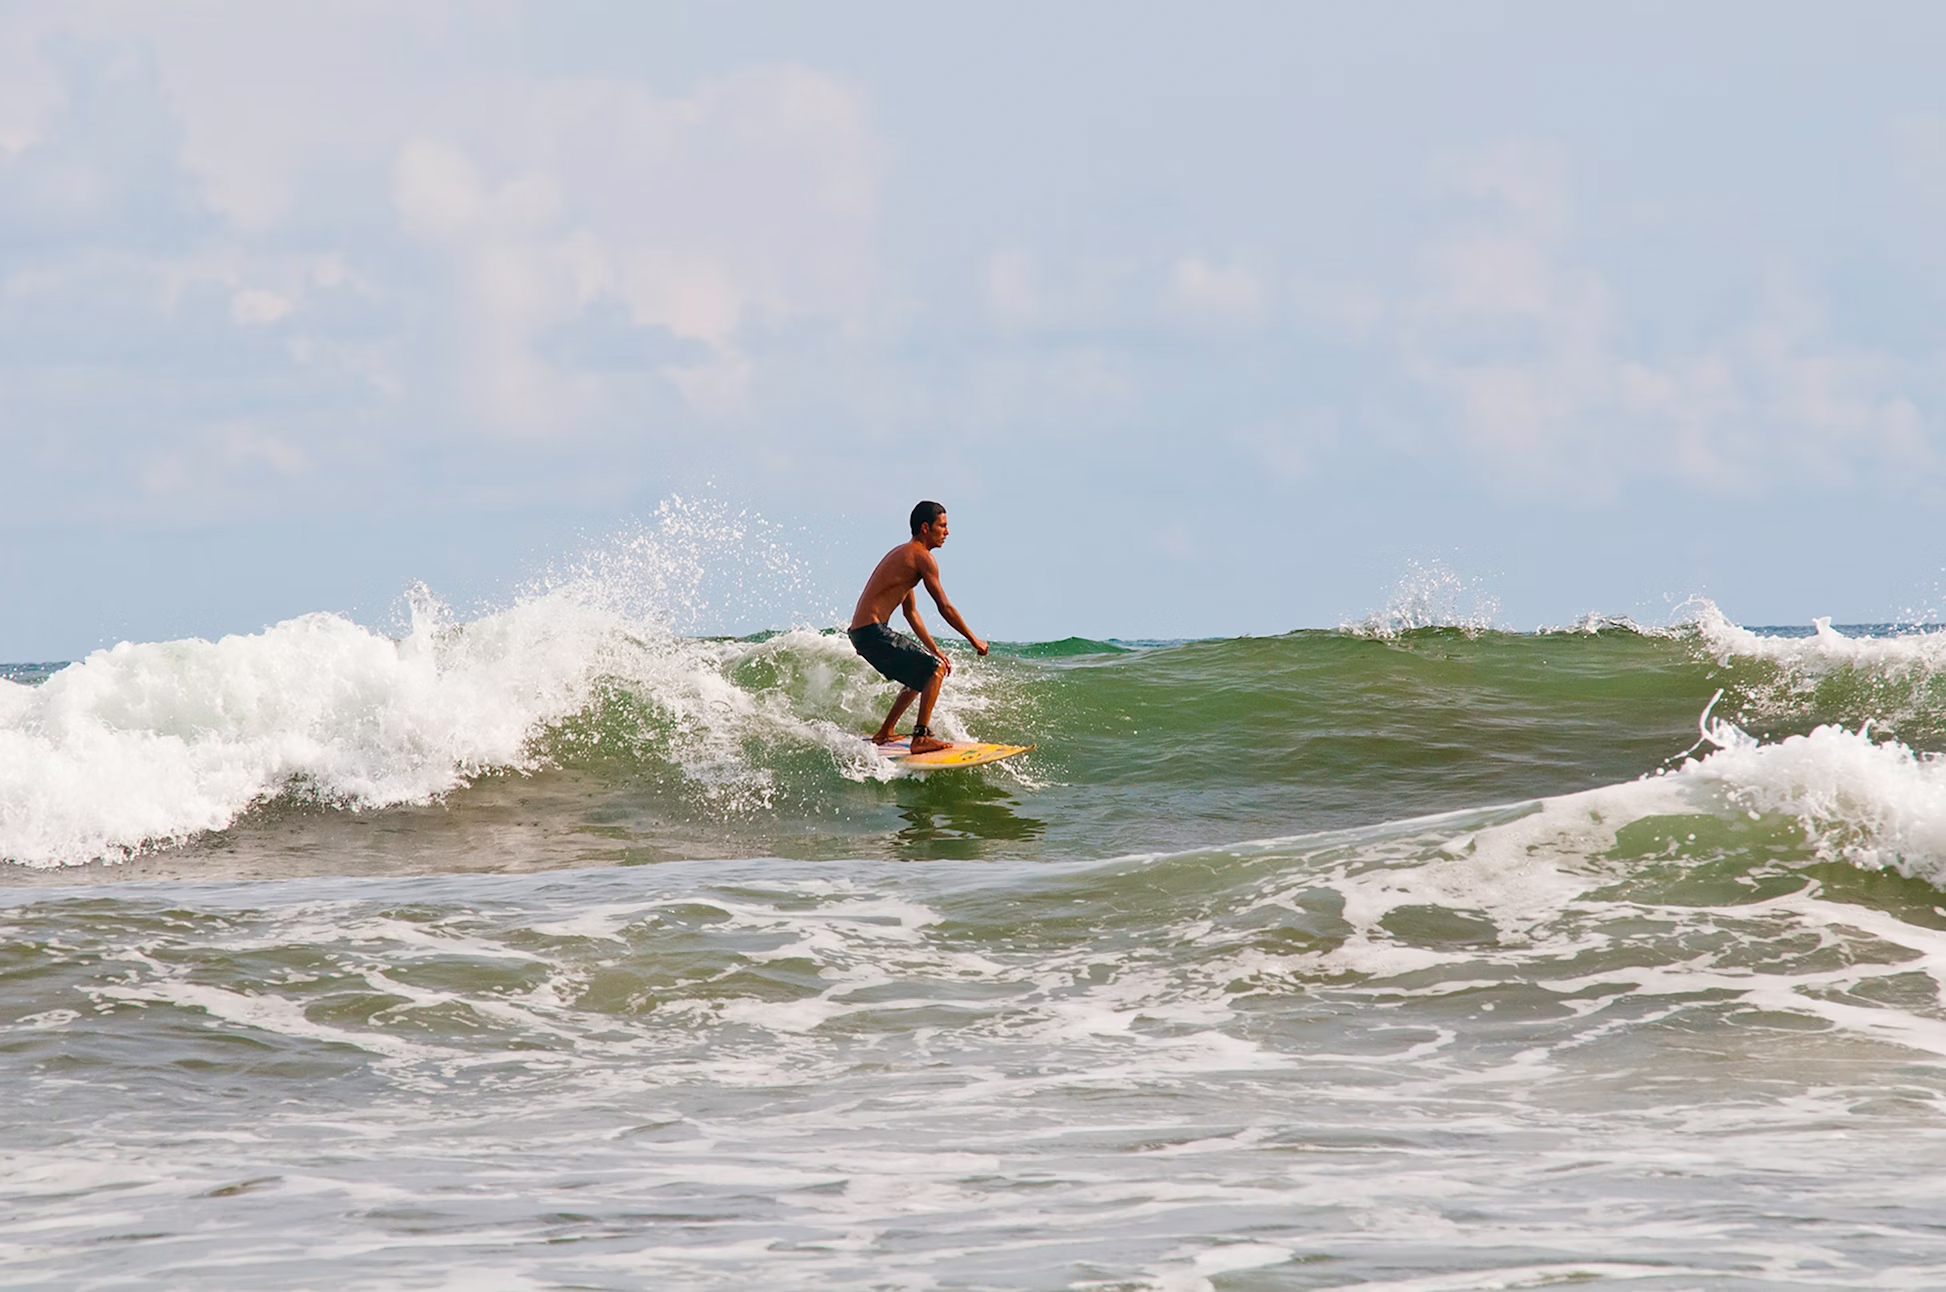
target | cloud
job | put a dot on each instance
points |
(1525, 179)
(29, 89)
(97, 169)
(437, 189)
(1030, 291)
(1024, 291)
(220, 458)
(1286, 451)
(718, 386)
(748, 205)
(1013, 288)
(1207, 294)
(1919, 157)
(1536, 350)
(223, 237)
(427, 235)
(255, 306)
(1074, 386)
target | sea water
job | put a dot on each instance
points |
(559, 947)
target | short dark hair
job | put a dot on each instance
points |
(925, 514)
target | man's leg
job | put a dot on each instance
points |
(906, 696)
(927, 698)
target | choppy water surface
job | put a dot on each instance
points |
(559, 950)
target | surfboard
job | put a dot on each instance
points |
(967, 753)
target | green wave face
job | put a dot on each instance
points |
(1140, 750)
(1338, 727)
(1177, 746)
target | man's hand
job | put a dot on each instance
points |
(979, 647)
(946, 660)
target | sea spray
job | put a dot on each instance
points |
(1431, 595)
(697, 566)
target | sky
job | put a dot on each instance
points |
(1201, 320)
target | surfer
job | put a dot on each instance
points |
(919, 673)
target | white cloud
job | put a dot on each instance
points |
(223, 458)
(1209, 294)
(1074, 385)
(437, 189)
(29, 91)
(1286, 450)
(692, 296)
(719, 386)
(1532, 348)
(251, 444)
(255, 306)
(1026, 291)
(469, 237)
(1356, 312)
(1013, 290)
(1033, 291)
(290, 113)
(1919, 149)
(748, 204)
(477, 209)
(1526, 180)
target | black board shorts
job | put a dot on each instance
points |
(895, 655)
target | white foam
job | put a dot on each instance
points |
(1189, 1270)
(1872, 803)
(1510, 1278)
(1826, 649)
(155, 742)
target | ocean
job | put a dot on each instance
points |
(554, 947)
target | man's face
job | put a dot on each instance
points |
(934, 531)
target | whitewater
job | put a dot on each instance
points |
(559, 945)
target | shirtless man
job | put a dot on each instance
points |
(919, 672)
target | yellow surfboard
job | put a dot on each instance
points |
(970, 753)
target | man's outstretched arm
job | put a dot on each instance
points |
(948, 612)
(911, 608)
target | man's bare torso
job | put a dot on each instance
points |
(892, 582)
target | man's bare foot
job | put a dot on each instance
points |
(883, 736)
(929, 744)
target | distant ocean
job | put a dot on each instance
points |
(556, 948)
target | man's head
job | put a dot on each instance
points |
(929, 523)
